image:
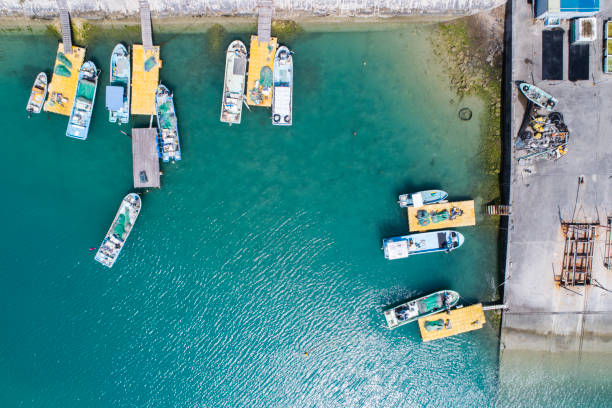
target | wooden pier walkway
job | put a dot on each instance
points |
(499, 209)
(467, 218)
(460, 320)
(145, 67)
(145, 158)
(65, 22)
(145, 25)
(264, 20)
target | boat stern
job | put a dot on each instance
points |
(391, 319)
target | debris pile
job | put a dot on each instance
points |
(542, 134)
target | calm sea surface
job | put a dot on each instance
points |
(262, 245)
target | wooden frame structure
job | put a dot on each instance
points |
(578, 254)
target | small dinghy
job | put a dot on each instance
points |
(422, 198)
(412, 310)
(233, 84)
(169, 147)
(422, 243)
(283, 88)
(38, 94)
(537, 96)
(118, 92)
(82, 108)
(119, 230)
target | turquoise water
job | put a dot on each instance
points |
(262, 245)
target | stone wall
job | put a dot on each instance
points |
(283, 8)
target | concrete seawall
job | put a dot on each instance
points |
(283, 8)
(542, 315)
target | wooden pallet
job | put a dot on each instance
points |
(499, 209)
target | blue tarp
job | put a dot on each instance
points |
(114, 97)
(583, 6)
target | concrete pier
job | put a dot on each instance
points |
(542, 315)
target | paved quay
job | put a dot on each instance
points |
(541, 315)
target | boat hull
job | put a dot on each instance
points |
(234, 83)
(83, 102)
(427, 197)
(422, 243)
(38, 94)
(537, 96)
(167, 126)
(412, 310)
(282, 98)
(120, 76)
(119, 231)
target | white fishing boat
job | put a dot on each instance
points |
(412, 310)
(84, 98)
(422, 243)
(118, 92)
(282, 113)
(38, 94)
(167, 126)
(233, 84)
(422, 198)
(537, 96)
(119, 230)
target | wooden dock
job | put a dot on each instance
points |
(145, 25)
(261, 55)
(466, 219)
(144, 83)
(264, 20)
(461, 320)
(145, 158)
(65, 23)
(499, 209)
(62, 89)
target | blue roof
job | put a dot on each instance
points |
(583, 6)
(114, 97)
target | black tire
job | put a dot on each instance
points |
(465, 114)
(526, 135)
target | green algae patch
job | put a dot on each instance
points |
(474, 57)
(84, 32)
(286, 30)
(216, 39)
(54, 31)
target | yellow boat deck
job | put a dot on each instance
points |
(260, 55)
(62, 89)
(467, 218)
(144, 83)
(459, 321)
